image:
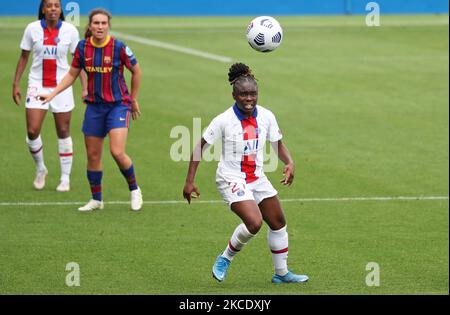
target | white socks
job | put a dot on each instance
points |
(278, 243)
(240, 237)
(65, 149)
(277, 240)
(37, 152)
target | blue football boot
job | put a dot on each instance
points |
(219, 270)
(290, 277)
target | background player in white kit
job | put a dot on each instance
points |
(244, 129)
(50, 39)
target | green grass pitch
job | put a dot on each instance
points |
(364, 112)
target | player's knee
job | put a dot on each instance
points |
(254, 225)
(93, 156)
(277, 224)
(118, 155)
(63, 132)
(33, 133)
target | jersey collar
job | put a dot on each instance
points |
(241, 116)
(102, 44)
(44, 25)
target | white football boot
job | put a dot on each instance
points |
(136, 199)
(92, 205)
(39, 181)
(63, 186)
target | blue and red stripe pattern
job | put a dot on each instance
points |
(49, 65)
(104, 65)
(95, 182)
(250, 137)
(130, 177)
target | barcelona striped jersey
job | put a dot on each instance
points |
(104, 65)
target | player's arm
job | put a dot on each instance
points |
(75, 40)
(21, 65)
(67, 81)
(285, 157)
(84, 86)
(83, 79)
(135, 84)
(189, 185)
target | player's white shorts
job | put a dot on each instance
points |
(237, 190)
(62, 103)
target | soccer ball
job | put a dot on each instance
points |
(264, 34)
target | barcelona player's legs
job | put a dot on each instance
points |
(118, 122)
(94, 133)
(100, 120)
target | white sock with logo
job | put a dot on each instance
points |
(65, 149)
(36, 148)
(240, 237)
(278, 243)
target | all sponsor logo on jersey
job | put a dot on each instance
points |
(50, 52)
(251, 146)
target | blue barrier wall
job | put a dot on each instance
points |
(237, 7)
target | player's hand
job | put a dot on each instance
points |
(135, 111)
(84, 94)
(288, 172)
(45, 98)
(17, 96)
(190, 191)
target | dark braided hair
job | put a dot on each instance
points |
(41, 15)
(240, 72)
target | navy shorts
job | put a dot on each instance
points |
(99, 119)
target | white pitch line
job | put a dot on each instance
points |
(181, 49)
(418, 198)
(164, 202)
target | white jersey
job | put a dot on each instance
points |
(243, 141)
(49, 51)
